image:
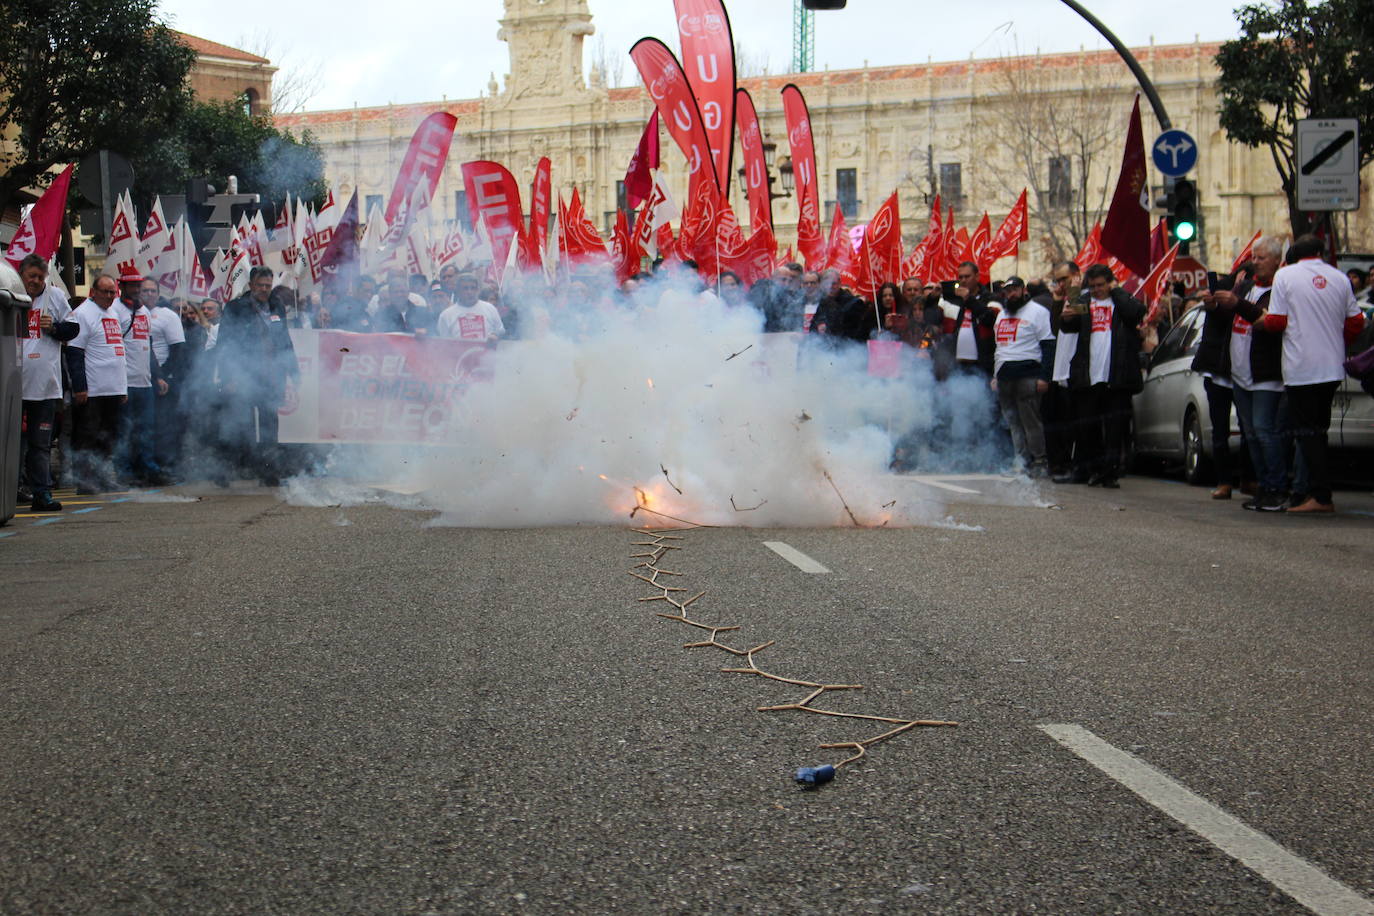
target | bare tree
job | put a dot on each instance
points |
(611, 65)
(749, 63)
(298, 80)
(1055, 131)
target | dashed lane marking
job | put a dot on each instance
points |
(1295, 876)
(795, 557)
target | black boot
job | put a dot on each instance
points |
(43, 502)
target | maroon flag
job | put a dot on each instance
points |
(1126, 233)
(494, 201)
(672, 95)
(810, 240)
(755, 169)
(540, 194)
(708, 54)
(424, 159)
(340, 258)
(639, 177)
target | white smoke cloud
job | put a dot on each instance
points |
(688, 396)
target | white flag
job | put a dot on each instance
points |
(122, 252)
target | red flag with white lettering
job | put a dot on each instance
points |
(40, 229)
(624, 256)
(755, 168)
(840, 250)
(639, 177)
(1091, 252)
(540, 197)
(494, 201)
(810, 240)
(1157, 284)
(424, 161)
(672, 94)
(978, 248)
(708, 56)
(761, 255)
(1015, 229)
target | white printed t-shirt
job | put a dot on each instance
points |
(1100, 345)
(481, 322)
(136, 327)
(103, 342)
(42, 366)
(1018, 336)
(1242, 337)
(1317, 298)
(167, 330)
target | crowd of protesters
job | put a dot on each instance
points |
(167, 391)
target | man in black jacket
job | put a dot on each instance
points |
(1056, 408)
(968, 336)
(1104, 371)
(257, 366)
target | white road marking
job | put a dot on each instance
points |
(795, 557)
(1300, 879)
(939, 482)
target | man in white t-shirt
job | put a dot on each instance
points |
(41, 377)
(100, 386)
(1314, 308)
(1021, 370)
(138, 429)
(469, 318)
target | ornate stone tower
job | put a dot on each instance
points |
(545, 39)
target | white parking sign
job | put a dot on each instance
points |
(1328, 164)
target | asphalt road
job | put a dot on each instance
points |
(233, 705)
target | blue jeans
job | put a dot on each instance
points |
(1258, 412)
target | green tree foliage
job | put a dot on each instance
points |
(81, 75)
(217, 139)
(1296, 59)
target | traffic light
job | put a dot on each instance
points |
(1183, 213)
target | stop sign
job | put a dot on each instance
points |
(1192, 274)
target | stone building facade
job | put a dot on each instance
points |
(976, 131)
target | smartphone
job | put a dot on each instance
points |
(947, 289)
(1212, 281)
(1225, 281)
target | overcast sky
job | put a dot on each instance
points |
(429, 50)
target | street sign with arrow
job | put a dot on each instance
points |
(1174, 153)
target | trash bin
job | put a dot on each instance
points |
(14, 326)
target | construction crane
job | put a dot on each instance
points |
(803, 38)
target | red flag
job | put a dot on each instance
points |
(494, 201)
(708, 56)
(639, 177)
(1126, 233)
(880, 252)
(731, 249)
(424, 159)
(1246, 253)
(978, 247)
(1091, 252)
(1014, 230)
(951, 250)
(624, 256)
(1157, 283)
(580, 242)
(761, 255)
(755, 169)
(540, 197)
(672, 95)
(840, 252)
(1159, 240)
(40, 231)
(667, 244)
(697, 234)
(810, 240)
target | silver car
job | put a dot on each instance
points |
(1170, 420)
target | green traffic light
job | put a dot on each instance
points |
(1184, 231)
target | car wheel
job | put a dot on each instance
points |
(1196, 466)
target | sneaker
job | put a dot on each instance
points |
(1312, 507)
(1270, 502)
(1250, 505)
(1109, 483)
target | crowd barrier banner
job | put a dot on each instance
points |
(378, 388)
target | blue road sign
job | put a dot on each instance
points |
(1174, 153)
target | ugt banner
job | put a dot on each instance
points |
(379, 388)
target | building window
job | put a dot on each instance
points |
(952, 184)
(847, 192)
(250, 102)
(1060, 191)
(373, 200)
(460, 210)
